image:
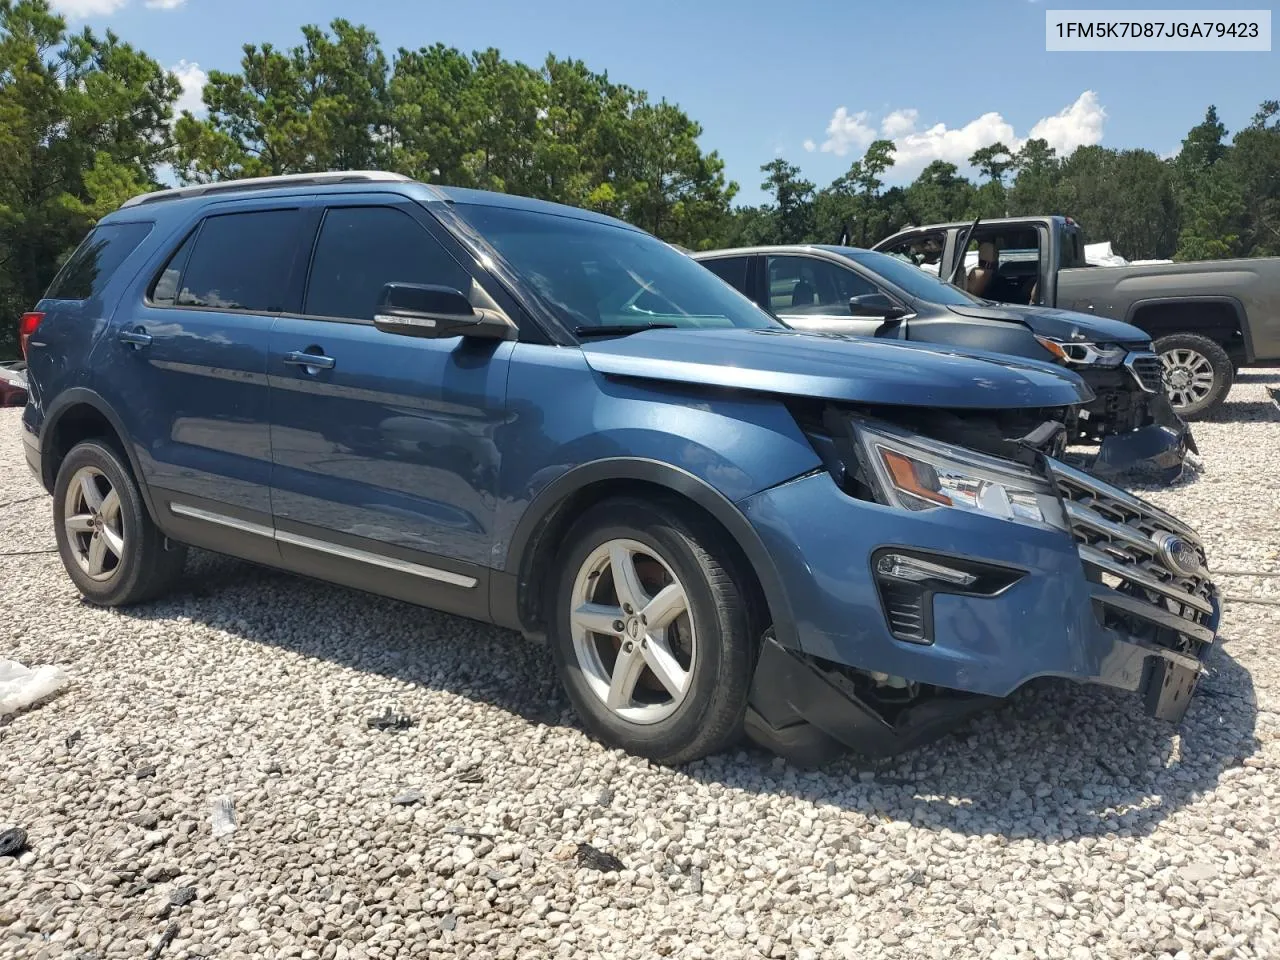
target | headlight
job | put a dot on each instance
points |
(916, 473)
(1085, 354)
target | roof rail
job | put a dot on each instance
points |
(268, 183)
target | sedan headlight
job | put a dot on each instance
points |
(1085, 354)
(916, 473)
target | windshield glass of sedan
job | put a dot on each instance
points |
(595, 274)
(912, 279)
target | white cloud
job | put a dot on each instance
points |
(1079, 124)
(846, 130)
(193, 80)
(915, 149)
(79, 9)
(810, 146)
(899, 122)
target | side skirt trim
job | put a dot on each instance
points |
(321, 546)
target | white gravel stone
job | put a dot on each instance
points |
(1063, 825)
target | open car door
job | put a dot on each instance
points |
(958, 252)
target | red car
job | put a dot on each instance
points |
(13, 384)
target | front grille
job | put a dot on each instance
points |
(1147, 370)
(1135, 549)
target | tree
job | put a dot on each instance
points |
(791, 211)
(323, 105)
(84, 124)
(1035, 187)
(1124, 196)
(939, 194)
(993, 161)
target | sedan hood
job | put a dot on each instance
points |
(836, 367)
(1059, 324)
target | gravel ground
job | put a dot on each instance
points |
(1063, 825)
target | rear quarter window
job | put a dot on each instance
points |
(96, 259)
(732, 270)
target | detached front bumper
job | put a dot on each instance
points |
(1141, 437)
(1060, 615)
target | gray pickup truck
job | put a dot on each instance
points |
(1208, 318)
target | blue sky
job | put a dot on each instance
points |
(811, 81)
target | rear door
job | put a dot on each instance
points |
(385, 462)
(188, 366)
(811, 293)
(735, 271)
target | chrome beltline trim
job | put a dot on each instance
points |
(323, 546)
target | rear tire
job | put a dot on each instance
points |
(651, 634)
(1198, 373)
(109, 545)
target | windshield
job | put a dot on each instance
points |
(597, 275)
(912, 279)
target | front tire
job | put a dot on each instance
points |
(1198, 373)
(652, 636)
(109, 545)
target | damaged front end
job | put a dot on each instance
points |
(1140, 438)
(1033, 569)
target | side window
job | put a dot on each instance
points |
(807, 286)
(732, 270)
(95, 260)
(361, 249)
(164, 292)
(924, 250)
(241, 261)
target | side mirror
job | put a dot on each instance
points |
(425, 310)
(875, 305)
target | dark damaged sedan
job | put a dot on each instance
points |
(549, 420)
(833, 289)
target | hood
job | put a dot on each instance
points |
(837, 367)
(1059, 324)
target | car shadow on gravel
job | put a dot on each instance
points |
(1242, 411)
(1056, 761)
(1258, 376)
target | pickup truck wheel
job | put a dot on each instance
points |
(109, 545)
(1198, 374)
(651, 635)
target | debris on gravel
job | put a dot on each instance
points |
(1065, 824)
(594, 859)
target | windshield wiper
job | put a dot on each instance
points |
(620, 329)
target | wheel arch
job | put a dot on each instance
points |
(519, 601)
(81, 414)
(1220, 318)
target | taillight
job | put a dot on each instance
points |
(28, 325)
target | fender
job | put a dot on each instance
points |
(1241, 317)
(553, 495)
(83, 396)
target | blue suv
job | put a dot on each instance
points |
(549, 420)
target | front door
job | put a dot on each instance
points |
(809, 293)
(189, 361)
(385, 464)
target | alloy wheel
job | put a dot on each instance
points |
(632, 631)
(1188, 377)
(94, 524)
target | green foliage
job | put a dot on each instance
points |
(791, 213)
(87, 121)
(84, 124)
(559, 132)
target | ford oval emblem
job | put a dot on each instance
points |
(1179, 555)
